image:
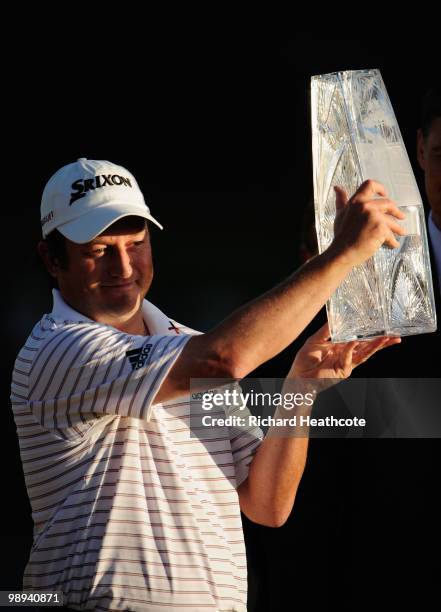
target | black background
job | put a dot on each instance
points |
(215, 126)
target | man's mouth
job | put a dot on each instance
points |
(119, 285)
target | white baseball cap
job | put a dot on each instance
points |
(82, 199)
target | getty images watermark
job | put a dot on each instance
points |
(317, 408)
(286, 408)
(233, 399)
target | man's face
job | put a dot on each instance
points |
(106, 279)
(429, 157)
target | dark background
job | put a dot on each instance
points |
(216, 129)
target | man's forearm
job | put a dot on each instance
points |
(267, 495)
(261, 329)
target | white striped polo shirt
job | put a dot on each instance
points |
(130, 511)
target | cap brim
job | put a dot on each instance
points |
(89, 226)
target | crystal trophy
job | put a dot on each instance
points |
(355, 136)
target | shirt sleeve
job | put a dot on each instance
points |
(84, 371)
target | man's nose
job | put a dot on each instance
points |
(120, 265)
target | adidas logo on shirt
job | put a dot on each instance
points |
(138, 357)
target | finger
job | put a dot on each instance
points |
(341, 198)
(386, 343)
(391, 241)
(369, 189)
(388, 206)
(373, 346)
(321, 335)
(391, 342)
(348, 354)
(395, 227)
(366, 349)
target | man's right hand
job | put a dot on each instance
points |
(365, 222)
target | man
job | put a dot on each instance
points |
(429, 159)
(130, 511)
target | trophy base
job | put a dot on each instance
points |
(401, 332)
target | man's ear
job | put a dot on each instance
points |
(51, 264)
(421, 149)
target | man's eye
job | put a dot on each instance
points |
(98, 251)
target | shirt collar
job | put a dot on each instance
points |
(154, 318)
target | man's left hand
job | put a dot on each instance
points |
(320, 358)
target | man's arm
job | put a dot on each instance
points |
(267, 495)
(261, 329)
